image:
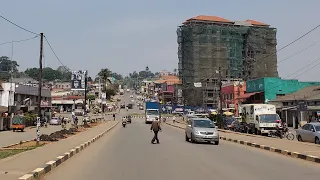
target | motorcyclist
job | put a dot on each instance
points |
(124, 120)
(279, 128)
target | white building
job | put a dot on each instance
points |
(7, 94)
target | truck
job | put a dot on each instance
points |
(121, 91)
(261, 118)
(152, 111)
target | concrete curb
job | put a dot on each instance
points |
(268, 148)
(49, 166)
(16, 143)
(102, 118)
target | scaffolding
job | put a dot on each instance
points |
(241, 52)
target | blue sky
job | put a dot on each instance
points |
(127, 35)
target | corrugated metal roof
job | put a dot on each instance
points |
(308, 93)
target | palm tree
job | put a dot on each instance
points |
(104, 74)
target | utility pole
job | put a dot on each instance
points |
(220, 92)
(85, 92)
(40, 88)
(40, 75)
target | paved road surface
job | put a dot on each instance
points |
(9, 137)
(127, 154)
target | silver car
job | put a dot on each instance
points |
(309, 132)
(201, 130)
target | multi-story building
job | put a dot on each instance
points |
(231, 95)
(213, 49)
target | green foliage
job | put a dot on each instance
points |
(30, 118)
(7, 66)
(49, 74)
(104, 74)
(91, 97)
(117, 76)
(110, 93)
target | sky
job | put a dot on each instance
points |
(127, 35)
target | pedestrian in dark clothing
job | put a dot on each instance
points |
(155, 127)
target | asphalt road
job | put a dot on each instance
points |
(127, 154)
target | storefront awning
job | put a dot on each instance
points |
(247, 95)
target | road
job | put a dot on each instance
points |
(127, 154)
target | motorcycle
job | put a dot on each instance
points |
(124, 124)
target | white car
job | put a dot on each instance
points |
(131, 96)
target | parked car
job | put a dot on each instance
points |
(309, 132)
(55, 121)
(201, 130)
(122, 106)
(140, 107)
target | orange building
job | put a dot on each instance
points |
(232, 94)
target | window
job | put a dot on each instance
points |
(305, 127)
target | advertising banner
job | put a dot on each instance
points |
(78, 80)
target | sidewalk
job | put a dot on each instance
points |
(293, 146)
(16, 166)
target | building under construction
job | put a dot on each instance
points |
(212, 49)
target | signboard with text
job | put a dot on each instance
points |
(78, 80)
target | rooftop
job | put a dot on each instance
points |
(309, 93)
(209, 18)
(223, 20)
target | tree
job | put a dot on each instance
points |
(110, 93)
(32, 72)
(50, 74)
(65, 73)
(91, 97)
(117, 76)
(90, 79)
(104, 74)
(7, 66)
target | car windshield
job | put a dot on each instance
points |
(269, 118)
(204, 123)
(317, 128)
(152, 112)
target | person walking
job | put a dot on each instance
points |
(155, 127)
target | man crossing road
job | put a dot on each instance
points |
(155, 127)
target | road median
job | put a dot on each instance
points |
(20, 165)
(289, 148)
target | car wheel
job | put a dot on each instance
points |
(216, 142)
(317, 141)
(187, 139)
(299, 138)
(192, 140)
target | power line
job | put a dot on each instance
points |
(298, 38)
(55, 53)
(17, 41)
(298, 52)
(305, 34)
(18, 25)
(299, 71)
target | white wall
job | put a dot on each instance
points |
(8, 88)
